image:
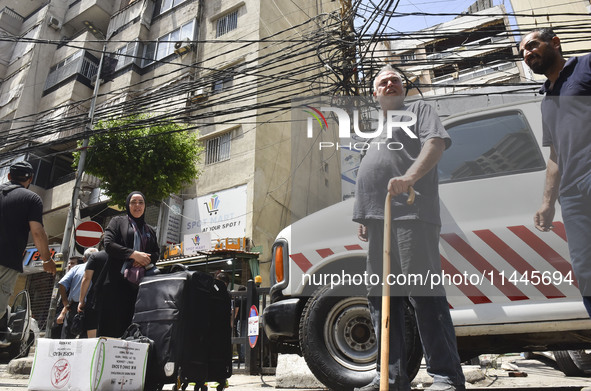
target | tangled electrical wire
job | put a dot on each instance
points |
(331, 54)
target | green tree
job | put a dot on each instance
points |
(140, 153)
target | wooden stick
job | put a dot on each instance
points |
(411, 196)
(385, 330)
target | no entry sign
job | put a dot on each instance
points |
(253, 326)
(88, 233)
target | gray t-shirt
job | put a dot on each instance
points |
(379, 165)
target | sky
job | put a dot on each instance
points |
(412, 23)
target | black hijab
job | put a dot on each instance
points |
(140, 220)
(140, 228)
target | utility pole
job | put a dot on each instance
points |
(65, 248)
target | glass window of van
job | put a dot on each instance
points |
(488, 146)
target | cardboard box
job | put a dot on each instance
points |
(96, 364)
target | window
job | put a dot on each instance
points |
(67, 60)
(226, 80)
(226, 23)
(218, 149)
(408, 57)
(125, 55)
(148, 55)
(166, 5)
(222, 84)
(502, 144)
(165, 45)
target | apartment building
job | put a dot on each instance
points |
(225, 68)
(474, 50)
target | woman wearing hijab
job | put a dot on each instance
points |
(129, 241)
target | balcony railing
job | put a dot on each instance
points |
(10, 12)
(472, 45)
(473, 73)
(84, 66)
(11, 21)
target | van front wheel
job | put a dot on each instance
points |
(573, 362)
(338, 341)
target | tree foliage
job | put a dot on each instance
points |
(135, 153)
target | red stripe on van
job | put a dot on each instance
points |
(325, 252)
(471, 291)
(301, 261)
(544, 250)
(559, 229)
(515, 260)
(479, 262)
(352, 247)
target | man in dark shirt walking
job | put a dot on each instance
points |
(21, 212)
(566, 121)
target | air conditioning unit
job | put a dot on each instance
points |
(183, 47)
(54, 23)
(198, 96)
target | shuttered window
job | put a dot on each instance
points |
(218, 149)
(227, 23)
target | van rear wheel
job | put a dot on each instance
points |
(338, 342)
(573, 362)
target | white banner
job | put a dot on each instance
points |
(223, 214)
(194, 243)
(172, 220)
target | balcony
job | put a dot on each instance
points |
(81, 64)
(474, 48)
(96, 11)
(134, 11)
(11, 21)
(473, 73)
(25, 8)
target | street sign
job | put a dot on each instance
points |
(253, 326)
(88, 233)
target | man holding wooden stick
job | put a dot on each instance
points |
(414, 231)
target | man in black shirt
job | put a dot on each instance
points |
(21, 212)
(90, 289)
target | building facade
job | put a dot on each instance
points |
(473, 51)
(569, 20)
(227, 69)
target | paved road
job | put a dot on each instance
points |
(540, 376)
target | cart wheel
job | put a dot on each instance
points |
(184, 386)
(222, 384)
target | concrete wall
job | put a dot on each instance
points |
(261, 146)
(285, 188)
(551, 13)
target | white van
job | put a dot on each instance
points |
(512, 287)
